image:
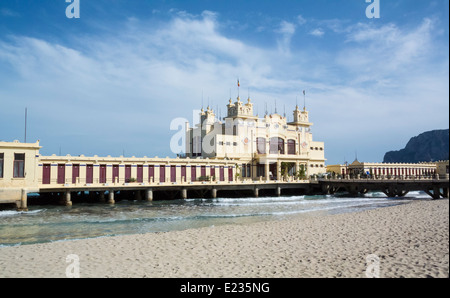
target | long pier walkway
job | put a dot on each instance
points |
(398, 187)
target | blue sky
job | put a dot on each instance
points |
(113, 80)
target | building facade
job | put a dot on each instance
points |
(405, 170)
(18, 170)
(264, 148)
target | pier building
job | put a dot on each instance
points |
(269, 147)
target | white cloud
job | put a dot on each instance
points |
(301, 20)
(129, 84)
(318, 32)
(122, 90)
(287, 30)
(385, 52)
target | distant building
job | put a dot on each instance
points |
(268, 147)
(425, 169)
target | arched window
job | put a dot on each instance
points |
(281, 145)
(291, 147)
(261, 145)
(273, 144)
(276, 144)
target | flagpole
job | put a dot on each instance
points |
(25, 125)
(239, 85)
(304, 100)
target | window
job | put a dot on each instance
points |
(1, 164)
(276, 144)
(19, 165)
(281, 145)
(291, 147)
(273, 146)
(261, 145)
(197, 146)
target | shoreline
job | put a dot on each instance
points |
(410, 240)
(49, 225)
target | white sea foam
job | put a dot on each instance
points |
(12, 212)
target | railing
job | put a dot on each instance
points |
(95, 182)
(387, 177)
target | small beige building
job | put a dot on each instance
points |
(18, 171)
(442, 167)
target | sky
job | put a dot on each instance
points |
(111, 81)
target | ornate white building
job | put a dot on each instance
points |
(268, 147)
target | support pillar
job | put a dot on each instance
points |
(111, 197)
(184, 193)
(256, 191)
(436, 193)
(149, 195)
(214, 193)
(22, 205)
(278, 191)
(278, 173)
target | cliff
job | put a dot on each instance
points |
(428, 146)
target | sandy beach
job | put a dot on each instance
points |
(410, 240)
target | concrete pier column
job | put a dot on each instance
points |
(22, 205)
(184, 193)
(111, 197)
(446, 192)
(67, 198)
(434, 193)
(278, 191)
(214, 193)
(256, 191)
(149, 195)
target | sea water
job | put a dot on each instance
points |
(47, 223)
